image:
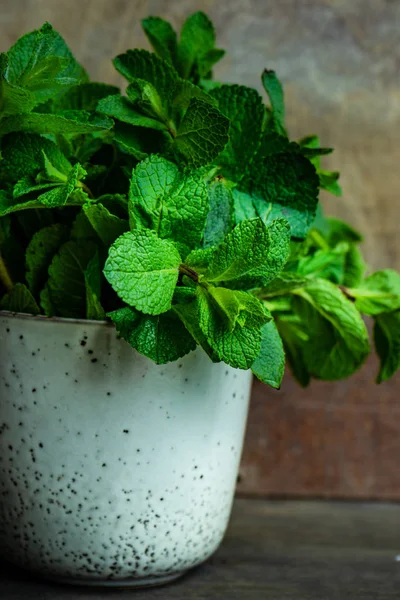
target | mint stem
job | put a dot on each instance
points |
(5, 276)
(189, 272)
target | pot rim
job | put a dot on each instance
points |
(63, 320)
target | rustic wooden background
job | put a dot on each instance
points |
(340, 63)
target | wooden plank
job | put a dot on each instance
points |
(275, 550)
(332, 439)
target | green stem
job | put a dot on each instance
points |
(5, 276)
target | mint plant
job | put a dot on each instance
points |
(181, 211)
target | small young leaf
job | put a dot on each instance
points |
(269, 366)
(162, 37)
(196, 50)
(274, 89)
(19, 300)
(378, 293)
(143, 271)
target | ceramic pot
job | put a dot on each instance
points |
(113, 470)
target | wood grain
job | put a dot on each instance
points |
(339, 61)
(275, 550)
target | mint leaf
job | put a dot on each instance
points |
(354, 268)
(196, 51)
(202, 133)
(85, 96)
(25, 155)
(292, 331)
(199, 259)
(5, 230)
(19, 300)
(56, 196)
(237, 347)
(67, 122)
(387, 344)
(140, 64)
(269, 366)
(162, 37)
(46, 302)
(220, 216)
(143, 271)
(122, 109)
(172, 203)
(283, 284)
(244, 108)
(328, 180)
(67, 283)
(281, 182)
(251, 255)
(107, 226)
(336, 231)
(238, 307)
(338, 342)
(93, 276)
(378, 293)
(326, 264)
(274, 89)
(162, 338)
(40, 252)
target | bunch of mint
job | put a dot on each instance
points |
(181, 211)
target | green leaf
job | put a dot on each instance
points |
(141, 64)
(94, 309)
(25, 155)
(196, 51)
(269, 366)
(244, 108)
(40, 252)
(46, 302)
(37, 67)
(162, 338)
(291, 330)
(143, 270)
(202, 133)
(19, 300)
(237, 347)
(283, 284)
(85, 96)
(328, 180)
(5, 230)
(122, 109)
(162, 37)
(336, 231)
(378, 293)
(354, 268)
(251, 255)
(220, 216)
(387, 344)
(281, 183)
(239, 307)
(107, 226)
(67, 122)
(172, 203)
(338, 340)
(67, 282)
(327, 264)
(274, 89)
(199, 259)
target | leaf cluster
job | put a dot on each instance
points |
(180, 210)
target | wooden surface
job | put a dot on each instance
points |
(339, 61)
(330, 440)
(274, 551)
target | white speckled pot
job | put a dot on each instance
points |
(113, 470)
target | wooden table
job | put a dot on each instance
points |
(293, 550)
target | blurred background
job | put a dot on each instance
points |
(339, 61)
